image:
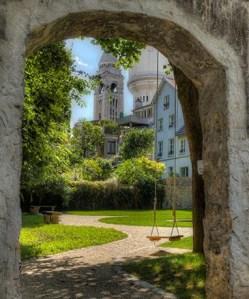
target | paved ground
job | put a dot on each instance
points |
(94, 272)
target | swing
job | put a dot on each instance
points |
(154, 235)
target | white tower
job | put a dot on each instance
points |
(143, 81)
(108, 97)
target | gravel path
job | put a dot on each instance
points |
(94, 272)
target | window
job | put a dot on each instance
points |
(114, 88)
(171, 147)
(143, 98)
(111, 147)
(170, 171)
(147, 99)
(171, 120)
(99, 116)
(182, 149)
(184, 171)
(160, 124)
(160, 149)
(166, 102)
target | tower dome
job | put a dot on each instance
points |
(143, 77)
(107, 59)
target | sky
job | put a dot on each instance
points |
(86, 57)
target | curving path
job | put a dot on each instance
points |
(94, 272)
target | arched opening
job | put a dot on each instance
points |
(201, 79)
(197, 74)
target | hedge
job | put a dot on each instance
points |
(110, 194)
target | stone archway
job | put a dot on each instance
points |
(207, 44)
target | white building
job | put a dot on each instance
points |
(109, 96)
(143, 82)
(171, 144)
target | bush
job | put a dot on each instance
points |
(139, 171)
(56, 192)
(112, 195)
(137, 143)
(96, 169)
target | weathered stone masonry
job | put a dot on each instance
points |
(207, 42)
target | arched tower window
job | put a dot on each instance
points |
(114, 88)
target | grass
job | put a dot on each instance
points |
(182, 274)
(185, 243)
(140, 217)
(38, 239)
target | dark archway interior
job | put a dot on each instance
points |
(200, 79)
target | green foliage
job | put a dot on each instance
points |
(110, 126)
(139, 171)
(38, 239)
(126, 51)
(180, 274)
(137, 143)
(50, 86)
(100, 195)
(96, 169)
(87, 140)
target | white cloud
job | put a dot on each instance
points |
(79, 62)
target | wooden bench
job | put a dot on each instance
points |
(51, 217)
(35, 209)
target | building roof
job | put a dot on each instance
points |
(134, 120)
(164, 80)
(107, 58)
(180, 131)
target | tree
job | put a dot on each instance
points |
(126, 51)
(87, 140)
(137, 143)
(140, 170)
(50, 86)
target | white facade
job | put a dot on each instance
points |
(143, 81)
(109, 96)
(171, 145)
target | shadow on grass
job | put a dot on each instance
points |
(81, 277)
(182, 274)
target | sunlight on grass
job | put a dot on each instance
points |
(140, 217)
(182, 274)
(185, 243)
(38, 239)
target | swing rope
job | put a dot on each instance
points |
(156, 237)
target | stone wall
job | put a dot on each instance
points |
(207, 42)
(183, 193)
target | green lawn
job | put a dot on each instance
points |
(38, 239)
(182, 274)
(184, 243)
(140, 217)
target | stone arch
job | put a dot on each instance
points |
(208, 67)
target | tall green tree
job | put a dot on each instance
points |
(137, 143)
(50, 86)
(87, 140)
(126, 51)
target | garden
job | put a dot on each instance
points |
(66, 168)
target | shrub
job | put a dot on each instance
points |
(55, 191)
(139, 171)
(137, 143)
(110, 194)
(96, 169)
